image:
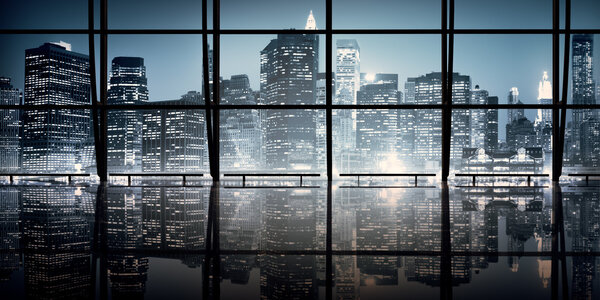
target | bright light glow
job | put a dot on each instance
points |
(370, 77)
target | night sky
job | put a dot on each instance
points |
(174, 63)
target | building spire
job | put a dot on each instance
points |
(545, 88)
(311, 24)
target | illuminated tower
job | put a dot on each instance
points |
(55, 75)
(128, 85)
(288, 71)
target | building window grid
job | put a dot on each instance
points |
(99, 106)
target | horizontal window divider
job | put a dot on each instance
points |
(301, 106)
(295, 31)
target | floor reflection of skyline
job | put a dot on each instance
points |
(272, 242)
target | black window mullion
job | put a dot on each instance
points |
(102, 167)
(94, 88)
(207, 88)
(563, 103)
(214, 160)
(556, 162)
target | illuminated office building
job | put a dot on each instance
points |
(128, 85)
(55, 75)
(173, 140)
(288, 75)
(10, 127)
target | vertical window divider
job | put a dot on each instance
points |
(565, 85)
(207, 88)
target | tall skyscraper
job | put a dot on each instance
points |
(128, 85)
(514, 113)
(173, 140)
(241, 136)
(320, 122)
(491, 131)
(478, 118)
(544, 116)
(55, 75)
(428, 122)
(590, 143)
(347, 79)
(10, 128)
(406, 123)
(347, 71)
(376, 130)
(543, 120)
(289, 67)
(583, 91)
(461, 123)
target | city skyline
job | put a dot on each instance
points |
(290, 66)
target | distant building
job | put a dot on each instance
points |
(55, 75)
(241, 130)
(427, 89)
(590, 142)
(173, 140)
(10, 127)
(376, 130)
(491, 131)
(521, 134)
(347, 83)
(288, 73)
(514, 113)
(523, 160)
(583, 91)
(128, 85)
(478, 118)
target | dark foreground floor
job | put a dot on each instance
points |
(299, 243)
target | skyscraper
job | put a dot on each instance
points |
(10, 128)
(428, 122)
(55, 75)
(128, 85)
(491, 131)
(347, 78)
(173, 140)
(514, 113)
(288, 71)
(461, 123)
(241, 136)
(478, 118)
(376, 130)
(544, 116)
(583, 90)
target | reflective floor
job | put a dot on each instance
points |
(325, 242)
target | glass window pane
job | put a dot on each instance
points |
(42, 14)
(583, 88)
(142, 14)
(155, 69)
(157, 141)
(273, 139)
(372, 69)
(282, 69)
(501, 141)
(584, 14)
(516, 68)
(386, 141)
(386, 14)
(507, 14)
(582, 141)
(272, 14)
